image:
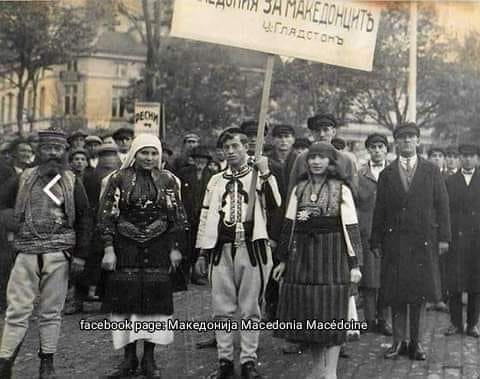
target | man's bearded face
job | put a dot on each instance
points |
(52, 157)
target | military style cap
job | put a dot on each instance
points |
(376, 137)
(409, 127)
(321, 120)
(52, 136)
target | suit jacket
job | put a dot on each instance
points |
(407, 226)
(463, 257)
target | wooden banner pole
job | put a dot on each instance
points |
(267, 83)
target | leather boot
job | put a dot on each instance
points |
(47, 371)
(129, 365)
(6, 365)
(149, 367)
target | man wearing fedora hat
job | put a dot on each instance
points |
(411, 228)
(462, 260)
(376, 315)
(52, 227)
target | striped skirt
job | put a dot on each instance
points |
(315, 287)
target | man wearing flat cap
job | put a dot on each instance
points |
(463, 260)
(92, 143)
(375, 314)
(52, 223)
(123, 137)
(323, 127)
(411, 228)
(76, 140)
(194, 184)
(436, 155)
(451, 160)
(190, 141)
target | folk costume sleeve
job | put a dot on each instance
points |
(83, 221)
(176, 215)
(269, 187)
(109, 212)
(351, 228)
(286, 237)
(207, 203)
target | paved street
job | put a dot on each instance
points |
(90, 355)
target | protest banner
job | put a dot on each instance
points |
(147, 118)
(341, 33)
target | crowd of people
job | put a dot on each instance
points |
(301, 233)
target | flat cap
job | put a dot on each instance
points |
(436, 149)
(125, 130)
(76, 151)
(201, 152)
(321, 120)
(93, 139)
(249, 128)
(302, 143)
(451, 150)
(406, 128)
(280, 129)
(77, 133)
(107, 148)
(468, 149)
(376, 137)
(339, 143)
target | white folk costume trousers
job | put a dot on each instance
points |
(237, 284)
(32, 275)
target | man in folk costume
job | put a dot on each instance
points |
(462, 260)
(411, 227)
(52, 232)
(238, 251)
(376, 316)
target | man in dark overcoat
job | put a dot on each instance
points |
(463, 260)
(411, 228)
(376, 316)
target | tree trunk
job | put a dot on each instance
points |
(20, 104)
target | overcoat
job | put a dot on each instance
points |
(367, 193)
(463, 257)
(407, 226)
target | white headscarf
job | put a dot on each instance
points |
(140, 142)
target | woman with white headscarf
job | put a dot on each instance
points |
(141, 222)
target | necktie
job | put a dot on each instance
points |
(409, 167)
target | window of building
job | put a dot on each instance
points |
(118, 101)
(72, 66)
(2, 110)
(71, 99)
(41, 108)
(121, 70)
(10, 107)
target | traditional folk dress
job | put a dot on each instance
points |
(142, 216)
(320, 241)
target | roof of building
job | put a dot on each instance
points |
(120, 43)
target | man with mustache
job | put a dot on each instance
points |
(52, 235)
